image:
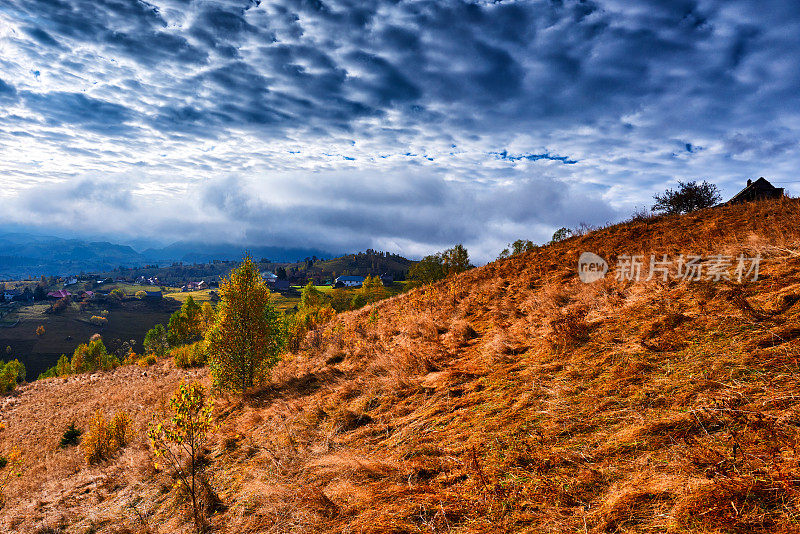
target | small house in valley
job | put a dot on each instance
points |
(269, 276)
(278, 285)
(348, 281)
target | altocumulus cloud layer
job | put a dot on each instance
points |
(405, 125)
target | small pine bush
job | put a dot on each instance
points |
(10, 464)
(70, 437)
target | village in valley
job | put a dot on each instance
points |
(47, 316)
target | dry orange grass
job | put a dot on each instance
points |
(512, 398)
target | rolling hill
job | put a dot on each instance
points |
(510, 398)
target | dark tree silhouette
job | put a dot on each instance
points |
(689, 196)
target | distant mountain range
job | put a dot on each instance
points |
(23, 255)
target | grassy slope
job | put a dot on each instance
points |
(510, 398)
(202, 295)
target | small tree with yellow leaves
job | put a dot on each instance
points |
(10, 464)
(208, 315)
(372, 290)
(247, 337)
(178, 442)
(104, 438)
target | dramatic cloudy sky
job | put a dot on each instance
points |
(403, 125)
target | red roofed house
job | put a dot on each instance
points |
(60, 294)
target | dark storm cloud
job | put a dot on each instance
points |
(75, 197)
(537, 106)
(366, 211)
(42, 37)
(59, 108)
(7, 91)
(128, 27)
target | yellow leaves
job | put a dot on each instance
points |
(246, 339)
(191, 420)
(13, 458)
(103, 439)
(146, 361)
(178, 441)
(10, 466)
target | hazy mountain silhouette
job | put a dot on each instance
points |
(23, 254)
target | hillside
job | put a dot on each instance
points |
(366, 263)
(511, 398)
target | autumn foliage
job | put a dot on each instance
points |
(247, 336)
(178, 443)
(104, 438)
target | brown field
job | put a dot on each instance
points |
(283, 302)
(181, 296)
(511, 398)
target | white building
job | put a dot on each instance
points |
(349, 281)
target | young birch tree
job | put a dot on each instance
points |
(178, 442)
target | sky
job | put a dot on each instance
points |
(399, 125)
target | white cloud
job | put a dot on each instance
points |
(371, 124)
